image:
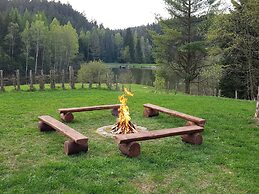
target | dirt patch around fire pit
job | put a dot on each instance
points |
(105, 131)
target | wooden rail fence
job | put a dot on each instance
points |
(52, 78)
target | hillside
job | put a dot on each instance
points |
(63, 12)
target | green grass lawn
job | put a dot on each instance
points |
(34, 162)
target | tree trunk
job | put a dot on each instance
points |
(63, 79)
(18, 80)
(187, 86)
(2, 81)
(36, 58)
(31, 88)
(26, 66)
(257, 106)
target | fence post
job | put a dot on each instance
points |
(71, 77)
(219, 94)
(236, 94)
(52, 79)
(63, 79)
(2, 81)
(31, 81)
(116, 81)
(14, 81)
(18, 82)
(42, 80)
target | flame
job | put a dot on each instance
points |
(124, 115)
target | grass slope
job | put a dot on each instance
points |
(34, 162)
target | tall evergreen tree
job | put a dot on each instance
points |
(235, 36)
(181, 47)
(129, 41)
(139, 52)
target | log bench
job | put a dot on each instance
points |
(67, 116)
(77, 143)
(151, 110)
(129, 147)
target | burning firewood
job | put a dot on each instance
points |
(124, 125)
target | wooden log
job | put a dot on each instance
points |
(71, 147)
(67, 117)
(89, 108)
(147, 135)
(195, 138)
(198, 121)
(18, 82)
(44, 127)
(131, 149)
(63, 79)
(149, 112)
(31, 87)
(2, 81)
(115, 112)
(64, 129)
(42, 80)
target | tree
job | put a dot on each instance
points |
(26, 39)
(235, 35)
(84, 43)
(38, 32)
(56, 42)
(93, 72)
(118, 45)
(129, 42)
(139, 52)
(11, 37)
(70, 40)
(95, 50)
(181, 46)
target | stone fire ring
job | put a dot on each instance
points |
(105, 130)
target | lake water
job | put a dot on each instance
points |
(144, 76)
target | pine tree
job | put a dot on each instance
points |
(180, 47)
(235, 36)
(139, 52)
(129, 41)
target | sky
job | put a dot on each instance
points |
(119, 14)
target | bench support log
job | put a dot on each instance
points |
(115, 112)
(44, 127)
(67, 117)
(131, 149)
(71, 147)
(195, 138)
(149, 112)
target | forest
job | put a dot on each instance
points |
(51, 35)
(199, 44)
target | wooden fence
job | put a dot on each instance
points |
(52, 78)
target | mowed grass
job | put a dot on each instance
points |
(34, 162)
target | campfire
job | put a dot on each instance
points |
(124, 125)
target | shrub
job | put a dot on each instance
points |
(95, 72)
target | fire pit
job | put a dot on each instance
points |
(124, 124)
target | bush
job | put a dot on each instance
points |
(159, 83)
(95, 72)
